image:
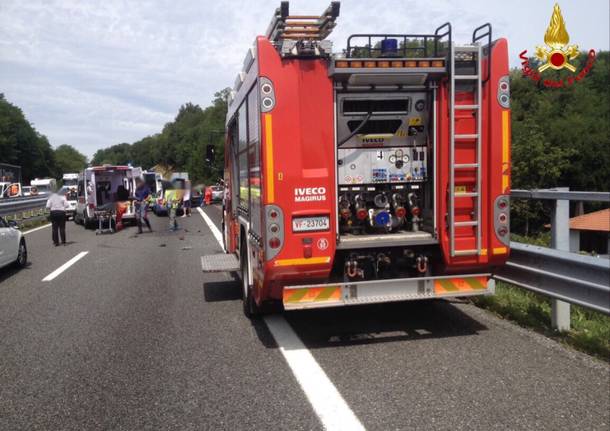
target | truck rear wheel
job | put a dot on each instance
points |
(251, 310)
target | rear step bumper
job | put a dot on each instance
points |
(221, 262)
(369, 292)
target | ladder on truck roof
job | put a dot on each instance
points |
(472, 53)
(298, 27)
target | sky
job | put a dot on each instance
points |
(96, 73)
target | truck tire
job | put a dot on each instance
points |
(87, 222)
(251, 310)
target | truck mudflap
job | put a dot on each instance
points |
(401, 289)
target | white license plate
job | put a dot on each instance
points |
(305, 224)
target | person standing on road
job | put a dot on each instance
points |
(186, 200)
(142, 194)
(208, 196)
(58, 205)
(172, 201)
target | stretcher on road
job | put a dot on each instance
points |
(106, 219)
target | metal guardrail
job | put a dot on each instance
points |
(570, 277)
(561, 194)
(566, 277)
(23, 209)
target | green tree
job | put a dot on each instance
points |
(180, 145)
(21, 144)
(69, 159)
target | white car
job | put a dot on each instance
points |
(13, 250)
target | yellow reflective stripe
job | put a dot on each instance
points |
(505, 149)
(312, 294)
(459, 284)
(500, 250)
(269, 158)
(302, 261)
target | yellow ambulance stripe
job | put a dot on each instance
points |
(269, 157)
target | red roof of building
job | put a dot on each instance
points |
(597, 221)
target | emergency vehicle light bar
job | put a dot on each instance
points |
(400, 45)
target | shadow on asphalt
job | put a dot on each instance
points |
(382, 323)
(365, 324)
(226, 290)
(8, 271)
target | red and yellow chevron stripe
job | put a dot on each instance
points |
(312, 294)
(456, 285)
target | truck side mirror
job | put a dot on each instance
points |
(209, 153)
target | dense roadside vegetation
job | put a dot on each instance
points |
(590, 330)
(181, 145)
(21, 144)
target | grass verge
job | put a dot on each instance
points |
(32, 224)
(590, 330)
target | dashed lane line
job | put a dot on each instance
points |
(65, 266)
(327, 402)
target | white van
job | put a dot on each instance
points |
(102, 187)
(70, 179)
(43, 186)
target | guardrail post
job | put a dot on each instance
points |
(560, 240)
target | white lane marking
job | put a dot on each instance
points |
(65, 266)
(327, 402)
(212, 226)
(36, 228)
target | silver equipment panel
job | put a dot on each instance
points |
(382, 165)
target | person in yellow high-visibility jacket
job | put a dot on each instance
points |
(173, 200)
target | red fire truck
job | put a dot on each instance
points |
(378, 174)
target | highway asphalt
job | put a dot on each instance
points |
(133, 336)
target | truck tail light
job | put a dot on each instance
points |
(502, 219)
(274, 231)
(504, 92)
(267, 94)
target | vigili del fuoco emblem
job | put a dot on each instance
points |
(557, 54)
